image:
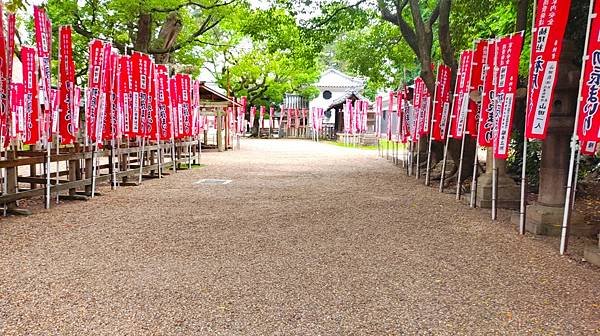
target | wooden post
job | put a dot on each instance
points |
(73, 167)
(88, 170)
(220, 146)
(11, 178)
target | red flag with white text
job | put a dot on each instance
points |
(588, 125)
(485, 135)
(441, 105)
(66, 68)
(509, 52)
(30, 92)
(460, 106)
(550, 24)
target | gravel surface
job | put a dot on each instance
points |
(307, 239)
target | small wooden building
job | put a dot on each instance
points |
(214, 105)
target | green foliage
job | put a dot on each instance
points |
(263, 61)
(117, 21)
(377, 52)
(514, 161)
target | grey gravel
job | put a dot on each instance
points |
(307, 239)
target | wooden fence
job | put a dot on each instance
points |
(74, 175)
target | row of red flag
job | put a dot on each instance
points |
(497, 89)
(491, 69)
(355, 116)
(126, 96)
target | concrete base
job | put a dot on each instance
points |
(509, 192)
(368, 139)
(591, 253)
(74, 197)
(547, 221)
(19, 211)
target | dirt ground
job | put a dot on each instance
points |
(306, 239)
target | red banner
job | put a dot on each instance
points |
(476, 85)
(164, 101)
(400, 108)
(111, 126)
(137, 68)
(125, 78)
(93, 94)
(11, 30)
(378, 114)
(509, 52)
(30, 91)
(105, 84)
(4, 81)
(66, 68)
(152, 121)
(17, 116)
(424, 111)
(175, 107)
(261, 117)
(43, 37)
(185, 117)
(272, 117)
(54, 96)
(588, 126)
(252, 116)
(460, 108)
(485, 135)
(441, 105)
(242, 114)
(390, 110)
(76, 106)
(145, 97)
(196, 108)
(547, 36)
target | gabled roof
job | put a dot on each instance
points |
(335, 78)
(350, 94)
(210, 94)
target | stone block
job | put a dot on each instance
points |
(547, 221)
(591, 253)
(509, 192)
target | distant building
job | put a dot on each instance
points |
(333, 86)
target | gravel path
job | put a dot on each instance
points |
(307, 239)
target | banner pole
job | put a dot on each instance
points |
(114, 166)
(94, 168)
(57, 161)
(173, 158)
(405, 156)
(494, 187)
(189, 154)
(460, 166)
(564, 236)
(48, 153)
(417, 165)
(474, 177)
(464, 132)
(445, 159)
(388, 150)
(523, 200)
(58, 129)
(377, 135)
(431, 122)
(576, 178)
(411, 157)
(142, 159)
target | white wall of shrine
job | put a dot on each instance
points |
(332, 85)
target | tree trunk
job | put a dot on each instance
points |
(144, 33)
(168, 36)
